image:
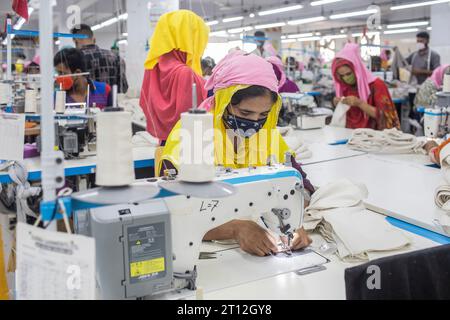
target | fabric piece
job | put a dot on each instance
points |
(105, 66)
(421, 275)
(442, 200)
(399, 62)
(180, 30)
(338, 213)
(167, 93)
(228, 78)
(390, 141)
(444, 157)
(21, 8)
(340, 115)
(299, 147)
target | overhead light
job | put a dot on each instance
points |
(124, 41)
(240, 30)
(418, 4)
(300, 35)
(409, 24)
(429, 28)
(252, 15)
(232, 19)
(280, 10)
(283, 37)
(221, 33)
(57, 42)
(317, 34)
(321, 2)
(401, 31)
(288, 40)
(353, 14)
(308, 39)
(270, 25)
(335, 36)
(125, 34)
(306, 20)
(109, 22)
(212, 23)
(369, 34)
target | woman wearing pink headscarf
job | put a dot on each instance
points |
(371, 103)
(426, 96)
(285, 84)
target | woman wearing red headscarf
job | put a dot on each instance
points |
(371, 103)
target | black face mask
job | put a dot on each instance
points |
(243, 127)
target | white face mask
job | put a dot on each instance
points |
(420, 46)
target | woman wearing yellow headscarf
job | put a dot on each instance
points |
(172, 66)
(245, 106)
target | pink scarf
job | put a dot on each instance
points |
(239, 68)
(352, 54)
(438, 75)
(278, 65)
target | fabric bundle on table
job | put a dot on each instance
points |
(442, 197)
(338, 213)
(390, 141)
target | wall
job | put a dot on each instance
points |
(440, 39)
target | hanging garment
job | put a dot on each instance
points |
(338, 213)
(340, 115)
(417, 275)
(388, 141)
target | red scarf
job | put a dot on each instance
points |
(167, 92)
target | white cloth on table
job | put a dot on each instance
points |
(444, 155)
(299, 147)
(338, 213)
(390, 141)
(144, 139)
(340, 115)
(442, 200)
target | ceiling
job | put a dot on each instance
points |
(96, 11)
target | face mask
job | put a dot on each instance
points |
(66, 83)
(243, 127)
(350, 79)
(420, 46)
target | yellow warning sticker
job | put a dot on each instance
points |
(143, 268)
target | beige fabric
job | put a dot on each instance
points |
(337, 212)
(340, 115)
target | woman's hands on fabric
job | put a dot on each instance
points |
(430, 145)
(336, 101)
(301, 240)
(352, 101)
(253, 239)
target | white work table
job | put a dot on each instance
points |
(143, 158)
(399, 189)
(325, 135)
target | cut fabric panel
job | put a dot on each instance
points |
(340, 115)
(391, 141)
(442, 200)
(337, 212)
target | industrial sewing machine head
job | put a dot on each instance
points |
(301, 111)
(437, 119)
(151, 247)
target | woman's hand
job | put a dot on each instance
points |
(336, 101)
(301, 240)
(352, 101)
(430, 145)
(254, 239)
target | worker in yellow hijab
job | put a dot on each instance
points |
(245, 107)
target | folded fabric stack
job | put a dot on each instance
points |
(390, 141)
(442, 197)
(338, 213)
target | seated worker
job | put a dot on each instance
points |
(285, 84)
(70, 62)
(371, 103)
(426, 95)
(245, 106)
(34, 66)
(172, 66)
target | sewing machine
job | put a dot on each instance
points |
(149, 248)
(302, 112)
(437, 119)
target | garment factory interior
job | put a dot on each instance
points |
(224, 150)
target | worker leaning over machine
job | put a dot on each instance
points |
(369, 98)
(172, 66)
(426, 95)
(69, 65)
(245, 107)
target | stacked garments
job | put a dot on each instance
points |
(442, 198)
(390, 141)
(338, 213)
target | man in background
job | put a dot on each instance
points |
(103, 65)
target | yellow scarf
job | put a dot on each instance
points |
(256, 151)
(179, 30)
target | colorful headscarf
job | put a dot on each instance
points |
(438, 75)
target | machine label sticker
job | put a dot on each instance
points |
(147, 251)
